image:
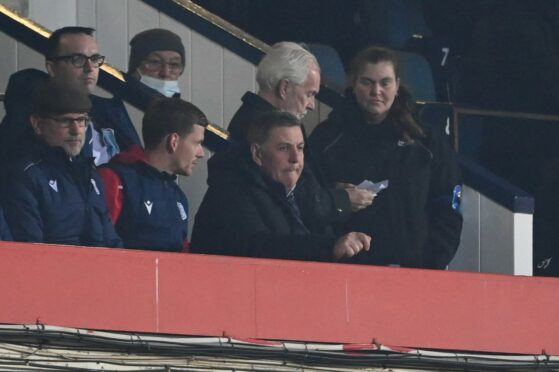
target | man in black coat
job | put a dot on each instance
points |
(289, 79)
(55, 194)
(251, 208)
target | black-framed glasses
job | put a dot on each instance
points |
(79, 60)
(64, 122)
(155, 64)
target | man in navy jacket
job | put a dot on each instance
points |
(148, 208)
(71, 55)
(54, 195)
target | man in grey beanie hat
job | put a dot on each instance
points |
(157, 59)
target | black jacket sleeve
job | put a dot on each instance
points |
(22, 210)
(445, 219)
(5, 233)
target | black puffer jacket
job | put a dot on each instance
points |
(415, 222)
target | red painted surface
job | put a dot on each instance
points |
(141, 291)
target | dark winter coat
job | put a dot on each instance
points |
(335, 203)
(245, 213)
(415, 222)
(149, 209)
(52, 199)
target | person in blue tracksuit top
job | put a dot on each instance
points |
(55, 194)
(148, 208)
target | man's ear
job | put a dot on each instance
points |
(172, 142)
(282, 88)
(256, 154)
(35, 121)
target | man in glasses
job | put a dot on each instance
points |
(55, 195)
(71, 55)
(157, 60)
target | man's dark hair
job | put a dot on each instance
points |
(263, 124)
(170, 115)
(53, 42)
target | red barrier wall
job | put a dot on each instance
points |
(124, 290)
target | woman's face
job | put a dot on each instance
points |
(375, 88)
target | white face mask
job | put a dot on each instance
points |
(166, 87)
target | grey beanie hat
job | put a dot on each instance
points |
(149, 41)
(59, 97)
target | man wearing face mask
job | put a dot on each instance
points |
(157, 60)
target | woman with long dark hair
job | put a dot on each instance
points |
(373, 135)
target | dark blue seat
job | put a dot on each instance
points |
(418, 76)
(332, 69)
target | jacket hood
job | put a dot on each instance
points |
(132, 154)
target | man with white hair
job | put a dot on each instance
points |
(288, 78)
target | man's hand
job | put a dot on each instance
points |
(350, 244)
(359, 198)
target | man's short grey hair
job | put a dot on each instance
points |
(285, 60)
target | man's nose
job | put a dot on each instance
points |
(295, 155)
(88, 66)
(200, 153)
(165, 71)
(311, 103)
(75, 128)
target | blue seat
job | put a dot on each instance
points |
(418, 76)
(331, 66)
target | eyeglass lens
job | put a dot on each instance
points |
(81, 121)
(157, 65)
(79, 60)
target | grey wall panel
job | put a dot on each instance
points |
(86, 13)
(207, 77)
(140, 17)
(8, 62)
(28, 58)
(186, 37)
(207, 93)
(53, 14)
(112, 31)
(496, 237)
(238, 77)
(468, 255)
